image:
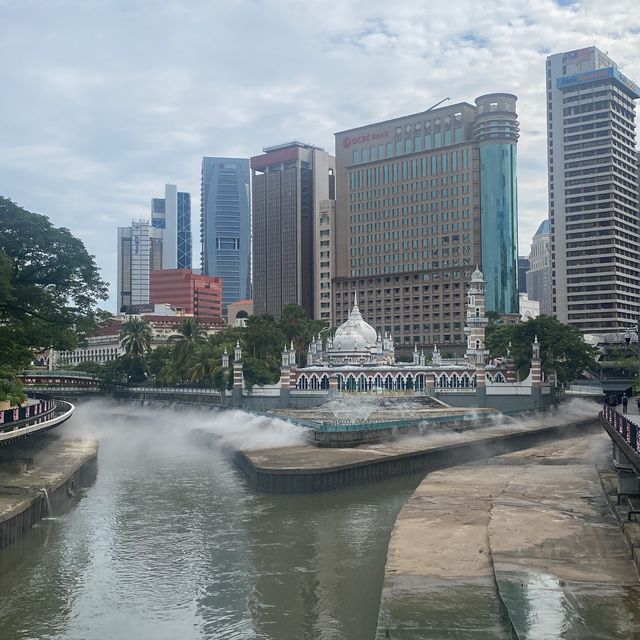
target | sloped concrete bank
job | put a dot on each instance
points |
(522, 546)
(39, 478)
(308, 469)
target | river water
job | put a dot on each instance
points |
(171, 543)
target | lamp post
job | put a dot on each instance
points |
(628, 338)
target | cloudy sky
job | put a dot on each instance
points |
(103, 101)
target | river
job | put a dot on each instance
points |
(171, 543)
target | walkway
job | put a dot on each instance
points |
(519, 546)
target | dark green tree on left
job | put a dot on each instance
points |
(50, 286)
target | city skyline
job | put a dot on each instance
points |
(115, 139)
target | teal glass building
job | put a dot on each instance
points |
(496, 131)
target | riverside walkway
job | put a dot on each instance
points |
(519, 546)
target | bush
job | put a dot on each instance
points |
(11, 388)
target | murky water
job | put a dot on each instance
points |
(171, 543)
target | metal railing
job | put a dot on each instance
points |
(625, 427)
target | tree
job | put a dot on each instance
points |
(298, 328)
(221, 380)
(135, 337)
(190, 335)
(202, 365)
(49, 286)
(263, 337)
(257, 371)
(562, 347)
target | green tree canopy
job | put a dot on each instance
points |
(49, 286)
(263, 337)
(135, 337)
(562, 347)
(296, 326)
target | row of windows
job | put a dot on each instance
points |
(390, 172)
(409, 145)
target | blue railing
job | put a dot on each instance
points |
(624, 426)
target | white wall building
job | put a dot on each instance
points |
(593, 191)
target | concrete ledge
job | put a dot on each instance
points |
(57, 466)
(331, 469)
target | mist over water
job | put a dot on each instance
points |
(231, 427)
(170, 542)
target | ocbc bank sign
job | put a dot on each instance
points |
(350, 141)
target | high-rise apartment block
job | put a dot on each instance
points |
(172, 214)
(422, 200)
(292, 186)
(593, 191)
(225, 225)
(196, 295)
(539, 274)
(140, 249)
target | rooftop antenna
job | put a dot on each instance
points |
(431, 108)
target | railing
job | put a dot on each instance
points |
(585, 389)
(191, 390)
(626, 428)
(56, 373)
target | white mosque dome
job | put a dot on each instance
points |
(348, 338)
(355, 326)
(477, 276)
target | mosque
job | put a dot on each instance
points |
(359, 359)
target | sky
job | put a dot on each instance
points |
(105, 101)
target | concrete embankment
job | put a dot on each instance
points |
(306, 469)
(38, 477)
(519, 546)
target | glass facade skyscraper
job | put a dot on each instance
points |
(496, 130)
(172, 214)
(225, 225)
(184, 230)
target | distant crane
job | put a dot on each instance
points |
(436, 104)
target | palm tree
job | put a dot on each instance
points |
(202, 366)
(190, 334)
(135, 337)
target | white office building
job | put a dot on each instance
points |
(593, 191)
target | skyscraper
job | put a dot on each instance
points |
(539, 274)
(593, 194)
(421, 201)
(291, 186)
(225, 225)
(172, 214)
(140, 249)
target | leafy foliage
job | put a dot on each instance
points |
(562, 347)
(135, 337)
(49, 286)
(11, 388)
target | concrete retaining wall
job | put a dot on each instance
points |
(422, 461)
(16, 522)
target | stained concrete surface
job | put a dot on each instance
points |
(519, 546)
(45, 462)
(308, 458)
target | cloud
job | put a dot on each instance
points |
(106, 100)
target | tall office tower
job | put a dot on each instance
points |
(523, 269)
(539, 274)
(140, 249)
(172, 214)
(324, 240)
(593, 194)
(225, 226)
(421, 201)
(289, 184)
